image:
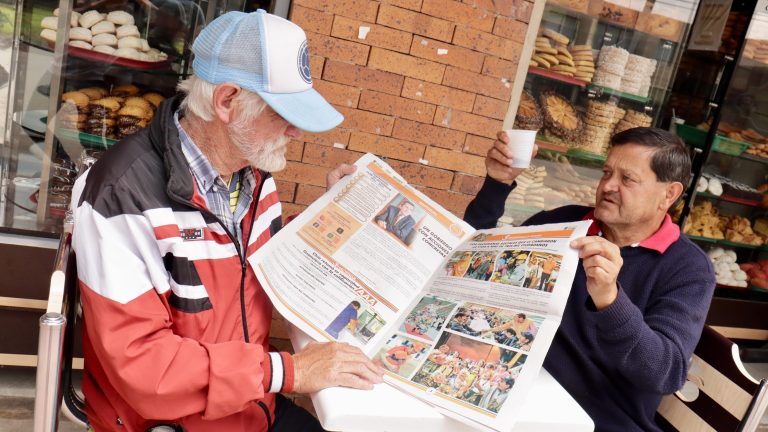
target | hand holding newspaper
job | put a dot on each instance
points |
(459, 318)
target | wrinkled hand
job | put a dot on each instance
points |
(338, 173)
(332, 364)
(602, 262)
(500, 158)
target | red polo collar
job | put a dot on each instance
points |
(662, 239)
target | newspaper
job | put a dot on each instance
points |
(459, 318)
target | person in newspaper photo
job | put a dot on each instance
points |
(397, 219)
(347, 318)
(176, 325)
(640, 296)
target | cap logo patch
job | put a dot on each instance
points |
(303, 63)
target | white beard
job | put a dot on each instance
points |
(269, 156)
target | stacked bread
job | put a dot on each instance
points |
(530, 188)
(633, 119)
(584, 62)
(111, 114)
(114, 33)
(599, 122)
(610, 67)
(637, 75)
(704, 221)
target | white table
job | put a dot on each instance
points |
(548, 408)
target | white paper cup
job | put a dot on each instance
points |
(521, 143)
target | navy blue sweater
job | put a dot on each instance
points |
(618, 362)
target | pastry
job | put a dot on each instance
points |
(528, 113)
(48, 34)
(555, 36)
(125, 90)
(51, 22)
(94, 93)
(80, 44)
(103, 27)
(120, 18)
(104, 39)
(137, 102)
(127, 30)
(80, 99)
(564, 68)
(104, 108)
(560, 117)
(565, 60)
(105, 49)
(154, 98)
(552, 60)
(130, 53)
(90, 18)
(538, 59)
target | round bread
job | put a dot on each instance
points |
(94, 93)
(105, 49)
(48, 34)
(78, 98)
(104, 39)
(154, 98)
(80, 33)
(130, 53)
(125, 90)
(50, 22)
(81, 44)
(137, 102)
(109, 103)
(90, 18)
(144, 45)
(103, 27)
(56, 12)
(74, 19)
(130, 42)
(120, 17)
(127, 30)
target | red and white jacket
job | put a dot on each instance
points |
(176, 325)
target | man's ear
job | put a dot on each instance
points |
(223, 101)
(672, 192)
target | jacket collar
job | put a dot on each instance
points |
(659, 241)
(164, 137)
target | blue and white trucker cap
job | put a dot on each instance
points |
(267, 55)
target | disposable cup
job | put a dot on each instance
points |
(521, 143)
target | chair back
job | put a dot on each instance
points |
(719, 396)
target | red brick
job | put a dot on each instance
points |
(290, 209)
(365, 121)
(418, 174)
(446, 53)
(467, 184)
(523, 10)
(510, 28)
(472, 123)
(414, 22)
(358, 9)
(338, 94)
(337, 49)
(487, 43)
(302, 173)
(307, 194)
(386, 147)
(329, 138)
(428, 134)
(454, 202)
(408, 4)
(293, 150)
(490, 107)
(383, 103)
(329, 157)
(455, 161)
(379, 36)
(498, 88)
(477, 145)
(404, 64)
(497, 67)
(312, 20)
(363, 77)
(438, 94)
(502, 7)
(459, 13)
(316, 64)
(286, 190)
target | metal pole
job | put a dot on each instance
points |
(50, 345)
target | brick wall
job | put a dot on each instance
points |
(425, 84)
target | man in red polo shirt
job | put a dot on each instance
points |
(640, 297)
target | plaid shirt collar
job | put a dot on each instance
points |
(205, 174)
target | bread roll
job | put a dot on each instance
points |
(51, 22)
(74, 19)
(80, 33)
(130, 53)
(90, 18)
(104, 39)
(120, 18)
(127, 30)
(144, 45)
(125, 90)
(129, 42)
(103, 27)
(105, 49)
(48, 34)
(80, 99)
(154, 98)
(94, 93)
(81, 44)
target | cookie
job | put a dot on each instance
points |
(564, 68)
(544, 50)
(550, 58)
(565, 60)
(541, 61)
(555, 36)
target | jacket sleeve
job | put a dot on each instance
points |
(652, 348)
(158, 373)
(488, 206)
(405, 229)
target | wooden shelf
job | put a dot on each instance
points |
(556, 76)
(728, 198)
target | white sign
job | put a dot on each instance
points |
(758, 28)
(680, 10)
(637, 5)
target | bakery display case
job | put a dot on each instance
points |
(86, 74)
(597, 68)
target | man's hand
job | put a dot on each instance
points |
(499, 160)
(602, 262)
(332, 364)
(338, 173)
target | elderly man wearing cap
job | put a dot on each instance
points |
(176, 324)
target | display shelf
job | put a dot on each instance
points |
(753, 158)
(556, 76)
(600, 90)
(546, 145)
(724, 242)
(728, 198)
(696, 137)
(570, 152)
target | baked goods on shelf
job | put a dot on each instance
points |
(584, 62)
(552, 53)
(599, 122)
(560, 117)
(529, 115)
(633, 119)
(727, 271)
(704, 221)
(610, 66)
(619, 70)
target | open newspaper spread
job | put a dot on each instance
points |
(460, 318)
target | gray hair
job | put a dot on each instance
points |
(199, 100)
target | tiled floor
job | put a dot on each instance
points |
(17, 391)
